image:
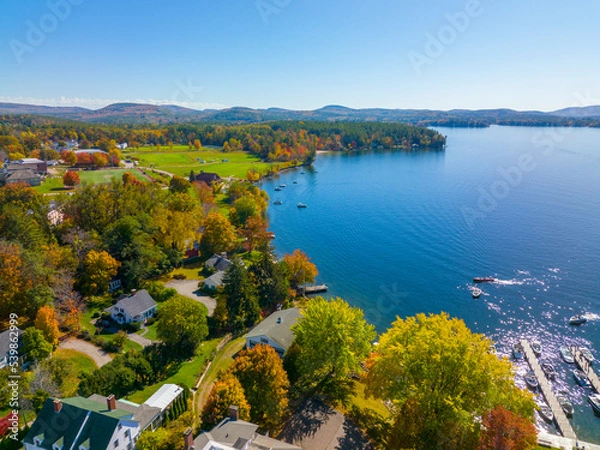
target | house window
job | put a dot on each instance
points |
(120, 425)
(126, 433)
(116, 443)
(264, 340)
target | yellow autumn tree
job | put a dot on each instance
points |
(225, 392)
(98, 268)
(47, 323)
(300, 268)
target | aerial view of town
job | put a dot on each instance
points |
(299, 225)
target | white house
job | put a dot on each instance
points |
(214, 281)
(136, 307)
(91, 423)
(218, 262)
(275, 330)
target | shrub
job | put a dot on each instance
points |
(179, 276)
(133, 327)
(96, 315)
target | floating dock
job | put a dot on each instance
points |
(586, 368)
(316, 289)
(560, 418)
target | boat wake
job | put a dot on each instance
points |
(591, 316)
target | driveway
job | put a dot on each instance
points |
(189, 288)
(99, 356)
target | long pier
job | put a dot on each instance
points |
(560, 418)
(586, 368)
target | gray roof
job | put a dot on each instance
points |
(278, 327)
(218, 262)
(26, 174)
(217, 278)
(137, 303)
(89, 150)
(5, 341)
(144, 414)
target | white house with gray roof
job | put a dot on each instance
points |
(275, 330)
(136, 307)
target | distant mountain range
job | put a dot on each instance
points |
(133, 113)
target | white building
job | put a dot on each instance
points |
(275, 330)
(136, 307)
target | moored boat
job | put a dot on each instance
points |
(546, 413)
(277, 202)
(537, 348)
(567, 355)
(594, 400)
(565, 404)
(577, 319)
(278, 189)
(282, 185)
(587, 354)
(548, 370)
(476, 292)
(581, 378)
(517, 351)
(483, 279)
(302, 205)
(531, 381)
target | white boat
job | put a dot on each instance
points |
(283, 185)
(577, 319)
(476, 292)
(548, 370)
(302, 205)
(517, 351)
(565, 403)
(587, 354)
(567, 355)
(537, 348)
(277, 188)
(546, 413)
(277, 202)
(581, 378)
(594, 400)
(531, 381)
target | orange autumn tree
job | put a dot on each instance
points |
(14, 282)
(71, 179)
(300, 268)
(46, 322)
(255, 233)
(505, 430)
(225, 392)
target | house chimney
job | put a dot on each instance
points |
(133, 291)
(57, 405)
(188, 439)
(111, 402)
(234, 413)
(224, 255)
(279, 320)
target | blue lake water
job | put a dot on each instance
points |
(397, 233)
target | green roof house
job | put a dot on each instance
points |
(94, 423)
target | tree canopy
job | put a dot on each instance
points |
(182, 324)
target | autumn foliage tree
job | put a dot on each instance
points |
(301, 270)
(69, 157)
(219, 235)
(265, 383)
(14, 282)
(505, 430)
(99, 159)
(255, 233)
(98, 269)
(46, 322)
(71, 178)
(226, 391)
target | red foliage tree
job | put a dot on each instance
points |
(71, 179)
(504, 430)
(84, 159)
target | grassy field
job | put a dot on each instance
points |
(180, 160)
(186, 375)
(81, 364)
(54, 184)
(86, 324)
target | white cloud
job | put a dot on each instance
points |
(97, 103)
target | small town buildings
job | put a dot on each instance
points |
(234, 434)
(36, 165)
(214, 281)
(136, 307)
(55, 215)
(275, 330)
(164, 398)
(122, 146)
(9, 339)
(19, 175)
(207, 177)
(91, 423)
(90, 151)
(218, 262)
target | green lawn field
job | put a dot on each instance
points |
(181, 160)
(106, 175)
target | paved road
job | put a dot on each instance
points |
(140, 339)
(99, 356)
(189, 288)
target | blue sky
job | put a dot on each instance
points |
(302, 54)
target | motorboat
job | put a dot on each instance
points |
(283, 185)
(302, 205)
(278, 189)
(565, 404)
(476, 292)
(587, 354)
(548, 370)
(546, 413)
(531, 381)
(517, 351)
(295, 182)
(537, 348)
(581, 378)
(567, 355)
(277, 202)
(483, 280)
(577, 319)
(594, 400)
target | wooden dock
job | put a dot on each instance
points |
(560, 418)
(586, 368)
(309, 290)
